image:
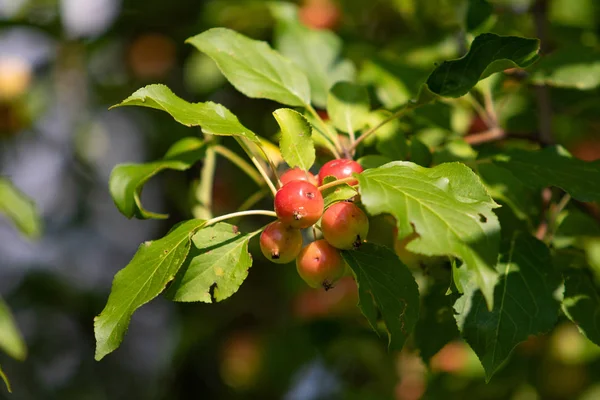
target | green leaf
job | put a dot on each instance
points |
(213, 118)
(217, 265)
(581, 303)
(447, 206)
(436, 326)
(337, 193)
(574, 67)
(153, 266)
(384, 283)
(553, 166)
(127, 180)
(489, 53)
(296, 144)
(253, 67)
(11, 341)
(524, 303)
(316, 52)
(5, 379)
(373, 161)
(478, 13)
(19, 209)
(348, 106)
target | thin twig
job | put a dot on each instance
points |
(336, 183)
(257, 164)
(485, 136)
(240, 214)
(329, 134)
(239, 162)
(374, 129)
(204, 190)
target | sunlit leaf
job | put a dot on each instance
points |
(216, 266)
(524, 303)
(20, 209)
(296, 144)
(153, 266)
(11, 341)
(447, 206)
(385, 284)
(253, 67)
(213, 118)
(5, 379)
(127, 180)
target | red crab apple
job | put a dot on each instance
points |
(298, 174)
(340, 169)
(320, 264)
(280, 243)
(344, 225)
(299, 204)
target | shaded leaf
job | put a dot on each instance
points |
(213, 118)
(524, 303)
(296, 144)
(581, 303)
(436, 326)
(478, 13)
(11, 341)
(348, 106)
(489, 53)
(553, 166)
(20, 209)
(145, 277)
(373, 161)
(448, 208)
(253, 67)
(316, 52)
(384, 283)
(573, 67)
(216, 266)
(127, 180)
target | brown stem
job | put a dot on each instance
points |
(485, 136)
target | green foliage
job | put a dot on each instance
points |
(524, 303)
(489, 53)
(446, 206)
(127, 180)
(296, 144)
(154, 265)
(581, 303)
(576, 67)
(436, 326)
(254, 68)
(316, 52)
(5, 379)
(553, 166)
(496, 297)
(19, 209)
(348, 106)
(216, 265)
(213, 118)
(389, 288)
(11, 341)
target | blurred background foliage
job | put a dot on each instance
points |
(64, 62)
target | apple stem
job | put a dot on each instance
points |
(240, 214)
(336, 183)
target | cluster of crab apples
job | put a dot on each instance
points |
(299, 205)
